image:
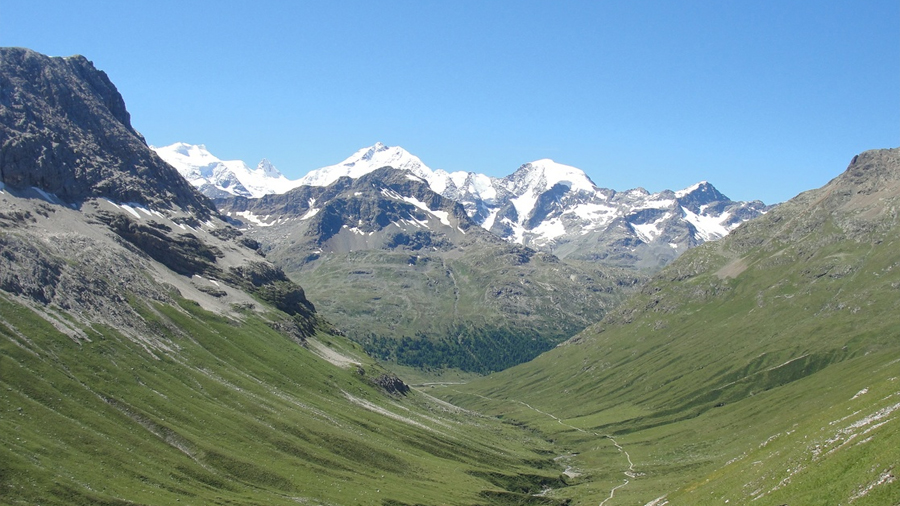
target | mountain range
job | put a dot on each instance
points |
(543, 204)
(409, 275)
(154, 351)
(462, 271)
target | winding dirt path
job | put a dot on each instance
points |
(629, 473)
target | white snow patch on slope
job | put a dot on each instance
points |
(482, 186)
(249, 216)
(549, 230)
(131, 210)
(652, 203)
(646, 231)
(708, 227)
(443, 216)
(489, 221)
(524, 204)
(309, 214)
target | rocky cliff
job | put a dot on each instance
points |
(64, 129)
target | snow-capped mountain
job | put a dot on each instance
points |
(543, 204)
(367, 160)
(556, 207)
(221, 178)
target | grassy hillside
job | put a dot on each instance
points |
(760, 368)
(233, 412)
(480, 310)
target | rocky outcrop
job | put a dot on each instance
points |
(64, 129)
(391, 384)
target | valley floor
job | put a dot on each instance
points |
(825, 439)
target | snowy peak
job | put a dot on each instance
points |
(543, 204)
(193, 161)
(267, 169)
(218, 178)
(365, 161)
(542, 175)
(699, 196)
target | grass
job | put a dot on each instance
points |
(228, 412)
(436, 296)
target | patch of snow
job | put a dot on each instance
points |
(862, 392)
(648, 231)
(657, 204)
(545, 174)
(249, 216)
(591, 212)
(482, 186)
(518, 236)
(489, 221)
(550, 229)
(309, 214)
(443, 216)
(709, 228)
(49, 197)
(131, 210)
(524, 204)
(391, 194)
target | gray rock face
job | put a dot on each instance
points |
(64, 129)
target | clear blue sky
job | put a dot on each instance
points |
(764, 99)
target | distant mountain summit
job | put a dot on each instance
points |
(368, 160)
(222, 178)
(544, 204)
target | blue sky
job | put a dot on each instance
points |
(764, 99)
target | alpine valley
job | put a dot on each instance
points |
(156, 346)
(459, 271)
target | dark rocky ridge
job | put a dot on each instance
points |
(64, 129)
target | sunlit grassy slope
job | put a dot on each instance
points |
(235, 413)
(764, 368)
